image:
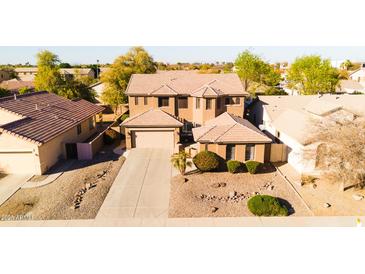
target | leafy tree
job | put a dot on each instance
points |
(180, 161)
(251, 68)
(136, 60)
(346, 64)
(74, 88)
(48, 76)
(275, 91)
(4, 92)
(64, 65)
(311, 75)
(24, 90)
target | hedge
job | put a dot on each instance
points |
(110, 136)
(206, 161)
(234, 166)
(252, 166)
(265, 205)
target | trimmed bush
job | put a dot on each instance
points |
(252, 166)
(110, 136)
(234, 166)
(265, 205)
(206, 161)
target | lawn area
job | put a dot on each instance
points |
(55, 201)
(222, 194)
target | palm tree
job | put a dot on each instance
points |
(180, 161)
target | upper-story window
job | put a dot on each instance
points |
(136, 100)
(182, 102)
(232, 100)
(208, 103)
(163, 101)
(92, 122)
(79, 129)
(197, 103)
(145, 101)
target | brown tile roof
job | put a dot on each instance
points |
(152, 118)
(186, 83)
(44, 115)
(228, 128)
(14, 85)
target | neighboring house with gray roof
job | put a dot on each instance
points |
(40, 128)
(350, 86)
(290, 120)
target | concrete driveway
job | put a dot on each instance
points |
(11, 184)
(142, 187)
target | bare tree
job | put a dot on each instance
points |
(341, 153)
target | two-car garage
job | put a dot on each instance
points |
(153, 139)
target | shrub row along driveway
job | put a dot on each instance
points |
(141, 188)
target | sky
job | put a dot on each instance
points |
(173, 54)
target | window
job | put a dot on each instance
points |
(92, 123)
(230, 152)
(163, 101)
(232, 100)
(145, 101)
(227, 101)
(197, 103)
(136, 100)
(208, 103)
(78, 129)
(250, 152)
(182, 102)
(219, 103)
(237, 100)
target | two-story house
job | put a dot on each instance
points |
(166, 106)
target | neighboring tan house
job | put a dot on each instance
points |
(358, 75)
(26, 74)
(350, 86)
(38, 129)
(14, 85)
(290, 120)
(232, 138)
(166, 106)
(4, 75)
(98, 88)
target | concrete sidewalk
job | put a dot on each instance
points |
(141, 188)
(349, 221)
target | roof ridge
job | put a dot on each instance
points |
(136, 116)
(225, 132)
(205, 133)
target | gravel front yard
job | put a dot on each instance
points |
(55, 201)
(209, 194)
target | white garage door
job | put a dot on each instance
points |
(17, 162)
(153, 139)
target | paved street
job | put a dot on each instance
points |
(142, 187)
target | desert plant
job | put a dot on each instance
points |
(307, 179)
(110, 136)
(180, 161)
(265, 205)
(252, 166)
(234, 166)
(206, 161)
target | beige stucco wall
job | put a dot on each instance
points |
(186, 113)
(55, 149)
(220, 149)
(7, 117)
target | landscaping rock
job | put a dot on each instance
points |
(271, 187)
(222, 184)
(357, 197)
(214, 209)
(186, 180)
(232, 194)
(216, 185)
(314, 186)
(326, 205)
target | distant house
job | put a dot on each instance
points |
(4, 75)
(26, 74)
(98, 88)
(359, 74)
(289, 120)
(40, 128)
(78, 72)
(350, 86)
(14, 85)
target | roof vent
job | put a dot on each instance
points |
(14, 96)
(36, 106)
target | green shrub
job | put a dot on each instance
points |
(252, 166)
(265, 205)
(110, 136)
(206, 161)
(234, 166)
